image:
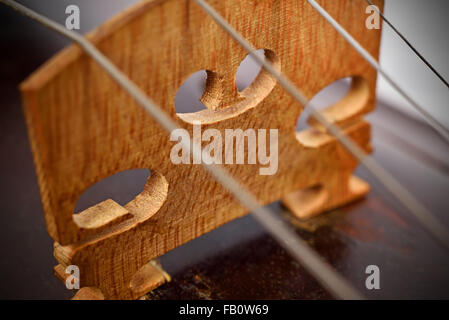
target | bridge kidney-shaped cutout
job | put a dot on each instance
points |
(138, 194)
(251, 94)
(326, 97)
(248, 70)
(201, 90)
(121, 187)
(356, 93)
(341, 103)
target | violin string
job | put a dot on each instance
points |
(407, 42)
(404, 146)
(282, 232)
(435, 124)
(421, 213)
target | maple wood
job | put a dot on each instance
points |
(84, 128)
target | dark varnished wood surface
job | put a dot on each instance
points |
(240, 260)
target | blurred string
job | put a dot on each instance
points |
(421, 213)
(434, 123)
(420, 56)
(403, 145)
(282, 232)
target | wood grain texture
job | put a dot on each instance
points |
(88, 293)
(84, 128)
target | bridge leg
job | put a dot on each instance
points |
(340, 190)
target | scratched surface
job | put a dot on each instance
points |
(240, 260)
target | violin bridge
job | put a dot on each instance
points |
(148, 278)
(84, 128)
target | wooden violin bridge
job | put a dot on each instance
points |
(83, 128)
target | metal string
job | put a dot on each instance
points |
(435, 124)
(427, 63)
(283, 233)
(423, 215)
